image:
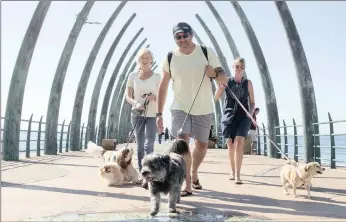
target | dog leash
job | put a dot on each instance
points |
(139, 112)
(284, 154)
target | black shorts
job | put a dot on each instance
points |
(239, 127)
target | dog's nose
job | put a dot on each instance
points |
(144, 173)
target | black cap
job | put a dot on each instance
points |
(182, 27)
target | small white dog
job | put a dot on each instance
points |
(112, 174)
(299, 176)
(115, 162)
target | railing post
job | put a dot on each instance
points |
(68, 137)
(28, 136)
(81, 138)
(61, 136)
(285, 138)
(86, 137)
(332, 143)
(265, 153)
(259, 142)
(295, 136)
(277, 140)
(317, 151)
(38, 150)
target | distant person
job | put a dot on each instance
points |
(235, 121)
(142, 86)
(253, 132)
(166, 134)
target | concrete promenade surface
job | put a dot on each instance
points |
(66, 187)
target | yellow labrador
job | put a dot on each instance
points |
(299, 176)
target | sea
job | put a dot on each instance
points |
(340, 141)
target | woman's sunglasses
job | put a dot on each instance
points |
(239, 67)
(178, 37)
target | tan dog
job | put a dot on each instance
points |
(112, 174)
(298, 176)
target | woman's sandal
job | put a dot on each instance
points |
(238, 181)
(196, 185)
(231, 177)
(185, 193)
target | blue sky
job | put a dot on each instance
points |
(321, 25)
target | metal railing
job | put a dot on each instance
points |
(285, 145)
(63, 141)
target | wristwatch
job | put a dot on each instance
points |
(158, 114)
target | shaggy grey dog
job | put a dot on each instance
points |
(165, 173)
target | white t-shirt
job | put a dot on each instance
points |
(141, 87)
(187, 73)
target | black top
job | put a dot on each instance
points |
(242, 94)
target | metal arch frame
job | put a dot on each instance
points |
(217, 48)
(15, 97)
(307, 92)
(121, 78)
(99, 81)
(226, 32)
(51, 128)
(83, 82)
(269, 92)
(106, 98)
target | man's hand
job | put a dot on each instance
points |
(210, 72)
(159, 124)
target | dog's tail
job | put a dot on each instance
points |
(180, 147)
(95, 150)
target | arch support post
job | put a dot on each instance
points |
(83, 82)
(269, 93)
(306, 86)
(58, 82)
(15, 97)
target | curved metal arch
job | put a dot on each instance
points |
(18, 81)
(271, 105)
(307, 92)
(105, 104)
(83, 82)
(216, 45)
(217, 104)
(225, 31)
(99, 81)
(58, 82)
(120, 102)
(120, 79)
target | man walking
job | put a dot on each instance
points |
(186, 66)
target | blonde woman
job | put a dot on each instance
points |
(235, 121)
(142, 86)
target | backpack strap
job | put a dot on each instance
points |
(205, 52)
(169, 57)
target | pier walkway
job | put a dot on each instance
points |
(66, 187)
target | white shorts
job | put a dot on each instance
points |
(253, 135)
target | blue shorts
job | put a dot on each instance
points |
(239, 127)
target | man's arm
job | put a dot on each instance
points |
(252, 98)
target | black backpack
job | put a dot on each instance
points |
(170, 54)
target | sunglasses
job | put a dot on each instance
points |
(178, 37)
(239, 67)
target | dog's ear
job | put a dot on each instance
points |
(307, 166)
(165, 159)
